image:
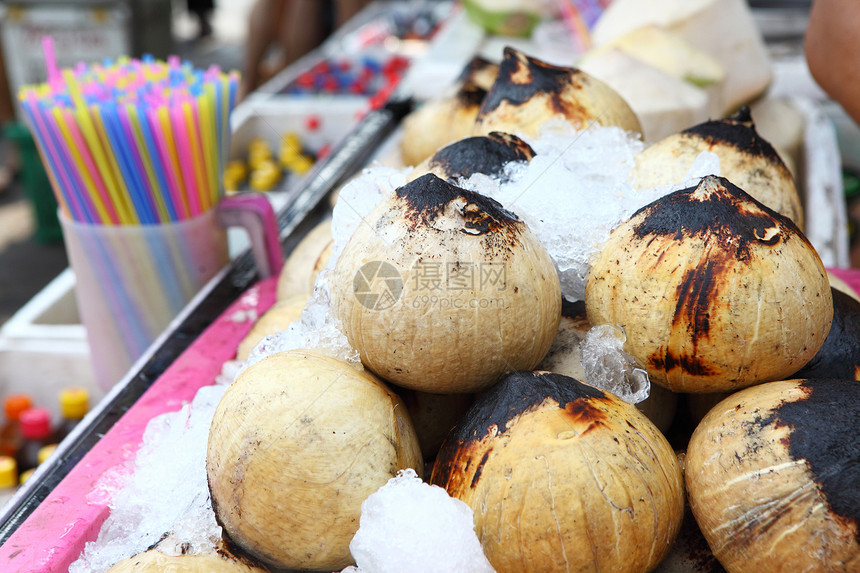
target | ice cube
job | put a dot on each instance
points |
(484, 184)
(706, 163)
(608, 367)
(229, 371)
(408, 526)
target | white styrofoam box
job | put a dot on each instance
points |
(823, 153)
(847, 133)
(271, 118)
(43, 347)
(333, 117)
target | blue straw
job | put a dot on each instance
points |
(126, 164)
(155, 158)
(136, 153)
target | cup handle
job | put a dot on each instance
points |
(254, 213)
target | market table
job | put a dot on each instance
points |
(36, 530)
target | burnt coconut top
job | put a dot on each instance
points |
(714, 209)
(737, 131)
(481, 154)
(516, 394)
(476, 66)
(471, 96)
(521, 392)
(427, 197)
(475, 81)
(521, 77)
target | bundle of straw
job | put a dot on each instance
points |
(132, 142)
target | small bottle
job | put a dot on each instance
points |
(45, 452)
(8, 478)
(37, 432)
(25, 476)
(10, 433)
(74, 403)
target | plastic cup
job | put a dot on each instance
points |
(131, 281)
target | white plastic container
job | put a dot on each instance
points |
(43, 347)
(132, 280)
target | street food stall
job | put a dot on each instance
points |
(170, 459)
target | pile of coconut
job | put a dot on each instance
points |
(466, 362)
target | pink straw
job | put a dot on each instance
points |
(55, 78)
(174, 185)
(186, 159)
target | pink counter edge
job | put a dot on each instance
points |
(50, 539)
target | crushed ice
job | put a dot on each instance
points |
(609, 368)
(408, 526)
(166, 491)
(575, 191)
(358, 198)
(317, 330)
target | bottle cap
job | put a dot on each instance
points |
(35, 423)
(25, 476)
(15, 404)
(74, 403)
(45, 451)
(8, 472)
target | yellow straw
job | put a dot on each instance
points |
(86, 177)
(164, 120)
(200, 174)
(88, 129)
(123, 193)
(224, 86)
(147, 164)
(207, 132)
